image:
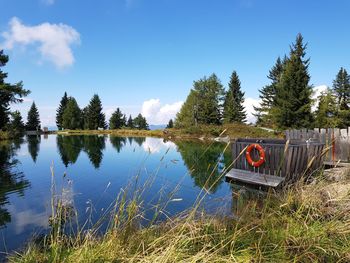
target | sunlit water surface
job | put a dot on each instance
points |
(92, 170)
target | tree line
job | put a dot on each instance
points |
(209, 103)
(12, 94)
(285, 103)
(70, 116)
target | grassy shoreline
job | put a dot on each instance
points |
(305, 223)
(4, 135)
(203, 132)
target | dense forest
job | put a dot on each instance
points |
(70, 116)
(286, 102)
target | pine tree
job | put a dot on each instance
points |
(130, 123)
(95, 118)
(141, 123)
(170, 124)
(124, 120)
(325, 114)
(33, 119)
(60, 110)
(341, 87)
(117, 120)
(203, 105)
(234, 99)
(293, 92)
(9, 93)
(209, 95)
(268, 95)
(72, 117)
(16, 123)
(187, 116)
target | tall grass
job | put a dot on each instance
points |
(304, 223)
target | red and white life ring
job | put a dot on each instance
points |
(261, 155)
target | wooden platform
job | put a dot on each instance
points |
(249, 177)
(336, 164)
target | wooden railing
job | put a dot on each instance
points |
(337, 140)
(290, 160)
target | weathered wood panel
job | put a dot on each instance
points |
(287, 159)
(338, 141)
(254, 178)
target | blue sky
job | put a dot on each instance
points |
(143, 55)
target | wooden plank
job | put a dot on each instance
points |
(344, 146)
(254, 178)
(287, 134)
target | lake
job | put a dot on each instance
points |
(90, 171)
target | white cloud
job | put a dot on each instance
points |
(27, 100)
(316, 93)
(54, 40)
(156, 113)
(249, 104)
(154, 145)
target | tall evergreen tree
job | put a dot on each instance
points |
(130, 123)
(16, 123)
(72, 118)
(268, 94)
(117, 120)
(60, 111)
(209, 95)
(187, 116)
(203, 105)
(125, 121)
(325, 114)
(234, 99)
(293, 92)
(170, 124)
(341, 88)
(9, 93)
(33, 119)
(141, 123)
(95, 118)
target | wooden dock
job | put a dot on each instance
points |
(254, 178)
(285, 161)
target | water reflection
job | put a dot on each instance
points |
(34, 146)
(244, 198)
(94, 146)
(118, 142)
(189, 165)
(205, 163)
(69, 148)
(10, 182)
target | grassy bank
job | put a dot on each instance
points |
(200, 132)
(306, 223)
(5, 135)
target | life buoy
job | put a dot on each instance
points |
(261, 155)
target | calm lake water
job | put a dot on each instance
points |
(91, 170)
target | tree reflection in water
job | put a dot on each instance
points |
(10, 181)
(33, 146)
(69, 148)
(118, 142)
(201, 160)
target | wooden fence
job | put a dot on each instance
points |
(338, 141)
(289, 161)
